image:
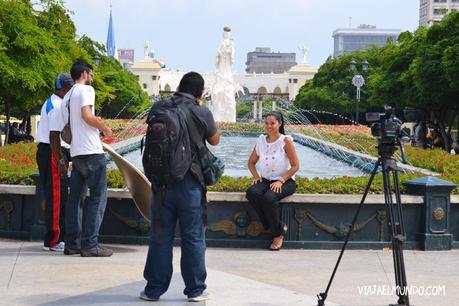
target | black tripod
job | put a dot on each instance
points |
(397, 226)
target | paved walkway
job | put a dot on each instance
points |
(30, 276)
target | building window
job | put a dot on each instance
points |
(440, 1)
(153, 78)
(144, 85)
(295, 81)
(440, 11)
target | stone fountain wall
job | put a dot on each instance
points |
(315, 221)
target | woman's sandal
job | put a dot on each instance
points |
(276, 245)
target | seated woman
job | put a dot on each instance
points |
(278, 165)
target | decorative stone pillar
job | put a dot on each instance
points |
(434, 234)
(274, 105)
(255, 110)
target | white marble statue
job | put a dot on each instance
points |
(304, 52)
(224, 90)
(145, 50)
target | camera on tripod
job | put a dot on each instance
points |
(386, 127)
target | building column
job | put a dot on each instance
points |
(255, 110)
(260, 109)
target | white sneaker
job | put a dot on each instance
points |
(57, 248)
(145, 297)
(199, 298)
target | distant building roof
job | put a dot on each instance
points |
(146, 65)
(366, 31)
(302, 69)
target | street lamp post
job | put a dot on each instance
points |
(358, 81)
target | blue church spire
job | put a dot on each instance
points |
(111, 45)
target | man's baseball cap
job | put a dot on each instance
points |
(63, 80)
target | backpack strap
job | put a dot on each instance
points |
(68, 104)
(195, 135)
(198, 141)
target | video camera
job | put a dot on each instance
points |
(387, 128)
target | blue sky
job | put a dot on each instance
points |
(186, 33)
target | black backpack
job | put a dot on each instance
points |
(167, 155)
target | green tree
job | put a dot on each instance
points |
(117, 90)
(433, 68)
(331, 88)
(30, 55)
(37, 42)
(419, 70)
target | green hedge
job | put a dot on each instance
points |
(342, 185)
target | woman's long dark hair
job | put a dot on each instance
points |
(280, 118)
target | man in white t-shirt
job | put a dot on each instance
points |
(88, 165)
(55, 187)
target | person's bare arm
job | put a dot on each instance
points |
(95, 122)
(55, 143)
(289, 148)
(253, 159)
(214, 140)
(292, 157)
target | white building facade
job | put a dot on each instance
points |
(155, 80)
(433, 11)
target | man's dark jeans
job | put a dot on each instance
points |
(88, 171)
(182, 201)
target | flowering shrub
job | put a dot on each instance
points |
(241, 127)
(125, 128)
(17, 161)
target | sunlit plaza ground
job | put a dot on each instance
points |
(30, 276)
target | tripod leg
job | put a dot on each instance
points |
(392, 220)
(403, 294)
(323, 295)
(399, 202)
(397, 229)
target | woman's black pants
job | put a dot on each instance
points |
(266, 203)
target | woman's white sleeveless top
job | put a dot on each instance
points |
(273, 162)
